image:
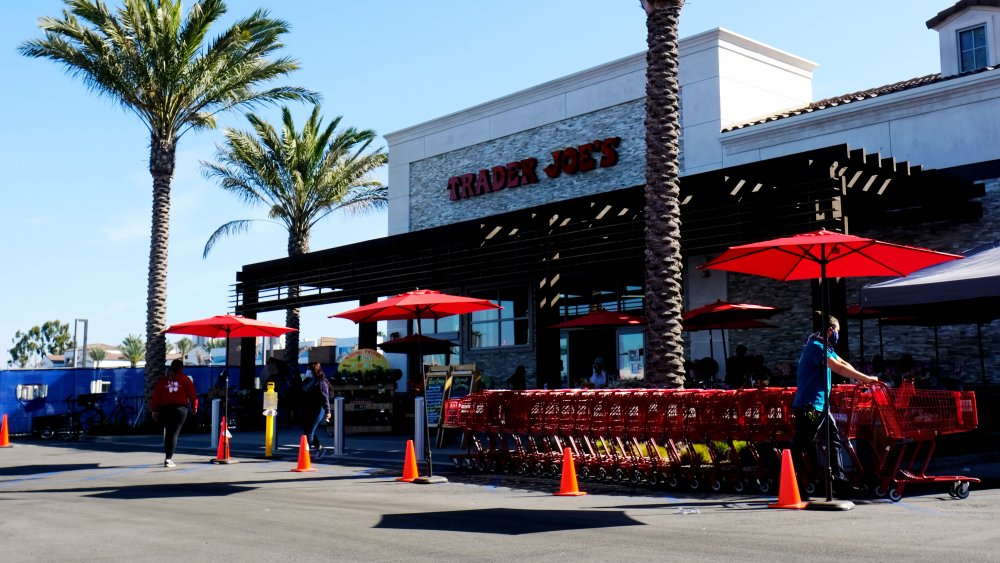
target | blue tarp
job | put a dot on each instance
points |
(966, 290)
(62, 384)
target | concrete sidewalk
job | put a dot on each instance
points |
(387, 450)
(250, 444)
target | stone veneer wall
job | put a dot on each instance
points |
(430, 205)
(958, 345)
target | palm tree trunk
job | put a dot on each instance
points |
(298, 245)
(162, 158)
(664, 267)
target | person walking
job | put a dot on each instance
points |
(315, 406)
(173, 395)
(809, 406)
(518, 382)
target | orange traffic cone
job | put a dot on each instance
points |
(568, 487)
(304, 463)
(788, 488)
(4, 439)
(222, 454)
(409, 464)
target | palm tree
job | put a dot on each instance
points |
(155, 62)
(301, 177)
(184, 346)
(664, 267)
(134, 349)
(98, 355)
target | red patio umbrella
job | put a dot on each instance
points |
(228, 326)
(416, 305)
(602, 318)
(821, 255)
(723, 315)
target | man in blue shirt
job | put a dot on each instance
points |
(811, 398)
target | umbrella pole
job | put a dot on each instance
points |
(862, 336)
(225, 399)
(937, 352)
(830, 504)
(430, 478)
(982, 361)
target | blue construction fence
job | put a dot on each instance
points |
(26, 394)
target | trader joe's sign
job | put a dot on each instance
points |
(569, 160)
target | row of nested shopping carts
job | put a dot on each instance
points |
(709, 438)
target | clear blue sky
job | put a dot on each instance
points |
(75, 212)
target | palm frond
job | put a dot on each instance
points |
(230, 228)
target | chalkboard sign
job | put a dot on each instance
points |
(434, 397)
(461, 386)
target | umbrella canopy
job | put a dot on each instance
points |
(417, 344)
(602, 318)
(228, 326)
(723, 314)
(822, 255)
(417, 304)
(825, 254)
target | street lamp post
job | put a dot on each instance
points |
(76, 323)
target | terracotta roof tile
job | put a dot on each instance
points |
(856, 97)
(958, 7)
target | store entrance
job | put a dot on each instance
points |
(586, 345)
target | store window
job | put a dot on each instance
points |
(499, 328)
(31, 391)
(972, 53)
(442, 326)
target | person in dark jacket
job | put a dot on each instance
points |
(173, 395)
(518, 382)
(315, 405)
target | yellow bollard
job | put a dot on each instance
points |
(270, 411)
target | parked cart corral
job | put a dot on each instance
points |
(712, 438)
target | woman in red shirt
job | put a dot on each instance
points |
(172, 396)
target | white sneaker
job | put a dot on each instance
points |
(169, 463)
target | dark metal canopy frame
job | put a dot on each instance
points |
(600, 233)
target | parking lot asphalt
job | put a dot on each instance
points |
(112, 499)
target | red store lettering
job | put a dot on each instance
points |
(513, 175)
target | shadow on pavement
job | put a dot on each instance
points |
(508, 521)
(184, 490)
(22, 470)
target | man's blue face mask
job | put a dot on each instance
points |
(833, 337)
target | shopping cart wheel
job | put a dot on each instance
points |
(693, 484)
(653, 478)
(555, 470)
(959, 489)
(672, 482)
(880, 491)
(738, 486)
(637, 476)
(895, 495)
(620, 475)
(764, 486)
(602, 474)
(456, 462)
(810, 488)
(523, 469)
(585, 472)
(716, 486)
